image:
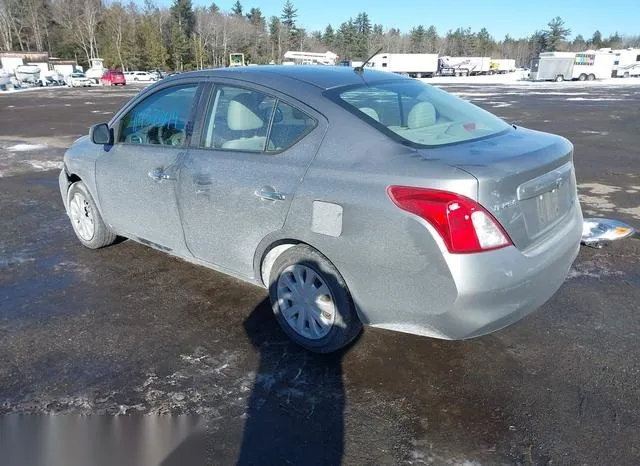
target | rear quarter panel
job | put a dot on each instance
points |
(382, 252)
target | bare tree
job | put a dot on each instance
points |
(79, 19)
(35, 18)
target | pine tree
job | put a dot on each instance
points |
(556, 34)
(289, 15)
(237, 8)
(596, 40)
(183, 23)
(329, 36)
(416, 39)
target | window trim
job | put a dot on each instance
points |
(197, 143)
(116, 124)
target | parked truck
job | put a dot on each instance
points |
(416, 65)
(561, 66)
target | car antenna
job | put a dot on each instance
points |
(360, 69)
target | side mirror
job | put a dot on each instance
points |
(101, 134)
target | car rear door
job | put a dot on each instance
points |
(240, 175)
(136, 177)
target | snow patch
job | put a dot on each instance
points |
(633, 211)
(598, 188)
(44, 164)
(26, 147)
(15, 260)
(593, 99)
(592, 269)
(602, 133)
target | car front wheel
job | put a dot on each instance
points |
(311, 301)
(86, 219)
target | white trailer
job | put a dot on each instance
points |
(502, 65)
(591, 65)
(416, 65)
(464, 66)
(311, 58)
(626, 63)
(583, 66)
(478, 65)
(552, 66)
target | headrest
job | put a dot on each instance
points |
(422, 114)
(370, 112)
(243, 113)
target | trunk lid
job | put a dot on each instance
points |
(525, 179)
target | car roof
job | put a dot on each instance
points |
(320, 76)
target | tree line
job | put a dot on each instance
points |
(181, 37)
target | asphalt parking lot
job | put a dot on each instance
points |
(128, 330)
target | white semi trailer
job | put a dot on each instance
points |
(502, 65)
(416, 65)
(464, 66)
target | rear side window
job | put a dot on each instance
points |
(161, 118)
(288, 127)
(418, 114)
(246, 120)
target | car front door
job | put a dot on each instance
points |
(236, 186)
(136, 176)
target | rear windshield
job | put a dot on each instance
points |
(418, 114)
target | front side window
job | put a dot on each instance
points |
(251, 121)
(161, 118)
(417, 114)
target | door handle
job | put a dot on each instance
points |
(269, 194)
(158, 174)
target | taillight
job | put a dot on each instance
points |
(463, 224)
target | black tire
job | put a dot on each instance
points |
(591, 77)
(346, 325)
(582, 77)
(626, 74)
(559, 78)
(102, 234)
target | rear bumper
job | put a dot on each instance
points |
(488, 291)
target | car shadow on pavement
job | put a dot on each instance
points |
(295, 413)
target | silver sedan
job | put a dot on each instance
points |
(355, 197)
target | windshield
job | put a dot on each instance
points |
(418, 114)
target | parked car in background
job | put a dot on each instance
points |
(142, 76)
(77, 79)
(157, 74)
(113, 78)
(354, 197)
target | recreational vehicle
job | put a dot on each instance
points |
(626, 63)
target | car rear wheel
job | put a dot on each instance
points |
(86, 220)
(311, 301)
